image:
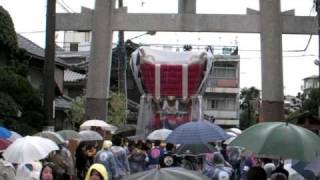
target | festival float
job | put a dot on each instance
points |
(171, 84)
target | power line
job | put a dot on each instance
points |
(31, 32)
(66, 5)
(296, 56)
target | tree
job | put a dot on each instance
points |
(247, 96)
(117, 114)
(20, 103)
(76, 113)
(312, 103)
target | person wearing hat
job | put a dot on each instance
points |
(97, 172)
(105, 157)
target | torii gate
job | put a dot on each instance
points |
(105, 19)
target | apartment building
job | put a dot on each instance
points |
(221, 98)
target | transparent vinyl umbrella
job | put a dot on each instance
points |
(29, 149)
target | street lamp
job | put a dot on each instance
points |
(152, 33)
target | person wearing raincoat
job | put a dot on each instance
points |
(105, 157)
(97, 172)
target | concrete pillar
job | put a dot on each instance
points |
(187, 6)
(97, 89)
(271, 60)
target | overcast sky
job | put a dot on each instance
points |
(29, 19)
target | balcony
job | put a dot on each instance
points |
(222, 114)
(220, 85)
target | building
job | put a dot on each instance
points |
(76, 53)
(36, 69)
(310, 83)
(221, 98)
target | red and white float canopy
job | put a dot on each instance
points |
(165, 73)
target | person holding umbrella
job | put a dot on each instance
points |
(105, 157)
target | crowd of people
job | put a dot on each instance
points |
(116, 159)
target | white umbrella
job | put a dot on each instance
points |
(160, 134)
(228, 141)
(235, 130)
(29, 149)
(55, 137)
(232, 134)
(14, 136)
(89, 135)
(97, 123)
(293, 175)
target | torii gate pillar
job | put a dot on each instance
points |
(271, 61)
(100, 61)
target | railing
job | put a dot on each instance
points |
(222, 82)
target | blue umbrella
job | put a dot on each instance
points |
(200, 132)
(5, 133)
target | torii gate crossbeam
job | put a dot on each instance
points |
(269, 22)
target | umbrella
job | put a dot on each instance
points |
(293, 175)
(4, 133)
(279, 139)
(300, 167)
(235, 130)
(89, 135)
(69, 134)
(200, 132)
(14, 136)
(232, 134)
(195, 149)
(228, 141)
(55, 137)
(137, 137)
(167, 174)
(4, 143)
(29, 149)
(314, 166)
(98, 123)
(160, 134)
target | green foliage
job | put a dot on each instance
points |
(18, 87)
(118, 113)
(9, 108)
(20, 104)
(76, 113)
(247, 97)
(117, 110)
(19, 95)
(8, 38)
(312, 103)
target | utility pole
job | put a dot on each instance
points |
(122, 79)
(48, 81)
(318, 16)
(317, 62)
(121, 57)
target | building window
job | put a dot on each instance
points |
(87, 36)
(224, 72)
(221, 104)
(74, 47)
